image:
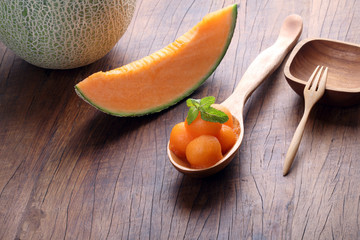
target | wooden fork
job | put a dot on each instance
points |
(313, 91)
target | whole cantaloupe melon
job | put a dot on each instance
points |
(63, 34)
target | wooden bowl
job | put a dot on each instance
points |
(343, 60)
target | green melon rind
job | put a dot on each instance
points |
(186, 94)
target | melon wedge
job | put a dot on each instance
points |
(165, 77)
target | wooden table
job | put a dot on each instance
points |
(69, 171)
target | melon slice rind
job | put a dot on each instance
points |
(165, 77)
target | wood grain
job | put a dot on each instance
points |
(71, 172)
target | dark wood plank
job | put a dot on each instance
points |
(69, 171)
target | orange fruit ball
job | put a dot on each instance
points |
(203, 151)
(179, 139)
(200, 127)
(226, 111)
(227, 138)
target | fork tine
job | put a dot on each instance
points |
(323, 79)
(311, 79)
(315, 83)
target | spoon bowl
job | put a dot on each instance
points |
(343, 82)
(261, 68)
(184, 167)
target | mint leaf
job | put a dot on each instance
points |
(192, 102)
(192, 114)
(214, 115)
(207, 112)
(207, 101)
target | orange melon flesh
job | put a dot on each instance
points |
(165, 77)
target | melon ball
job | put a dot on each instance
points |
(179, 139)
(227, 138)
(204, 151)
(200, 127)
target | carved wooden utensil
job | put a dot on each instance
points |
(343, 82)
(261, 68)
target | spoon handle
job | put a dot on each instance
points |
(265, 63)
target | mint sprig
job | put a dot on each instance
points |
(207, 112)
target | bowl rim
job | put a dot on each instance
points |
(296, 50)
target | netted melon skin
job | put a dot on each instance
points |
(63, 34)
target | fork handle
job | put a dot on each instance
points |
(295, 142)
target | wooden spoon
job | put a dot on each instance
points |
(261, 68)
